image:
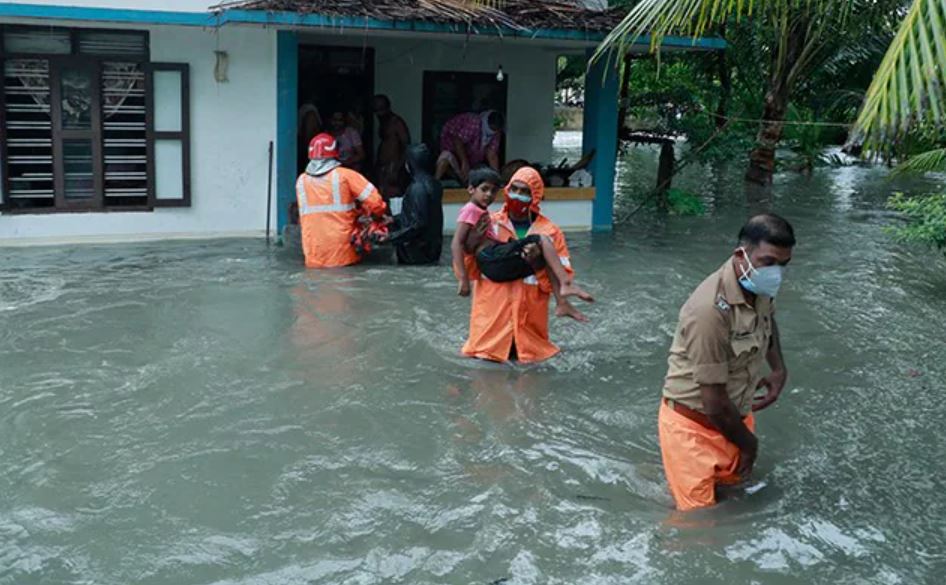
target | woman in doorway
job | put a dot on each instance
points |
(467, 141)
(350, 147)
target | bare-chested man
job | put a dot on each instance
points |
(390, 172)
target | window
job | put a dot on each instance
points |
(88, 123)
(448, 93)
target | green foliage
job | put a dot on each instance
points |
(821, 53)
(570, 72)
(925, 162)
(907, 88)
(925, 219)
(806, 139)
(683, 202)
(558, 120)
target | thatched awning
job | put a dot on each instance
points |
(507, 14)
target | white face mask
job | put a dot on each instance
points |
(764, 281)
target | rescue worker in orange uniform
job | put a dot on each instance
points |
(332, 203)
(510, 320)
(725, 335)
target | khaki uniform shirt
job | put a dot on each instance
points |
(720, 339)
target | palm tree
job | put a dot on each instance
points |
(908, 92)
(907, 89)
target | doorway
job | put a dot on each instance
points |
(448, 93)
(338, 79)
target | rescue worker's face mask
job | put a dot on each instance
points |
(764, 281)
(518, 200)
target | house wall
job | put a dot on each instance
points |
(232, 123)
(231, 126)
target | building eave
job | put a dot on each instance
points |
(292, 20)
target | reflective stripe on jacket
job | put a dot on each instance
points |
(329, 207)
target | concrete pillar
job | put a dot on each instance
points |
(600, 134)
(287, 98)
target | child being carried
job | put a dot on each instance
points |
(502, 261)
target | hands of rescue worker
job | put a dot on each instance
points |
(531, 253)
(747, 460)
(774, 383)
(464, 289)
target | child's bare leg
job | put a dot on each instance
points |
(563, 307)
(565, 286)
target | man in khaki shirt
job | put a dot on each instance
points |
(725, 335)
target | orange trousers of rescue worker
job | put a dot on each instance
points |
(504, 314)
(332, 200)
(696, 458)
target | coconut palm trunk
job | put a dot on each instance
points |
(795, 44)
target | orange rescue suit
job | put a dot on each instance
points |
(518, 311)
(329, 208)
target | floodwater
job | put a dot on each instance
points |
(210, 413)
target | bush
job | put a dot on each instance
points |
(925, 219)
(684, 203)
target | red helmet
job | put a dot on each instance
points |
(323, 146)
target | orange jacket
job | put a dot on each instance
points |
(507, 312)
(329, 207)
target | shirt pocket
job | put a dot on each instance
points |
(744, 345)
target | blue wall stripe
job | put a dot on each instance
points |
(107, 14)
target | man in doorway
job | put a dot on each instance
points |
(393, 140)
(510, 320)
(334, 204)
(725, 334)
(467, 141)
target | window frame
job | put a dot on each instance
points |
(95, 61)
(60, 135)
(183, 135)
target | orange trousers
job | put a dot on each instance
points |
(696, 458)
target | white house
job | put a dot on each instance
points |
(154, 119)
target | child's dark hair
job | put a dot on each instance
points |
(484, 174)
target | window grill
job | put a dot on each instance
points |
(78, 122)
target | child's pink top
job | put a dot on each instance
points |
(471, 214)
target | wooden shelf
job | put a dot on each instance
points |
(551, 194)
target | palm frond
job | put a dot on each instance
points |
(932, 161)
(693, 18)
(658, 18)
(909, 84)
